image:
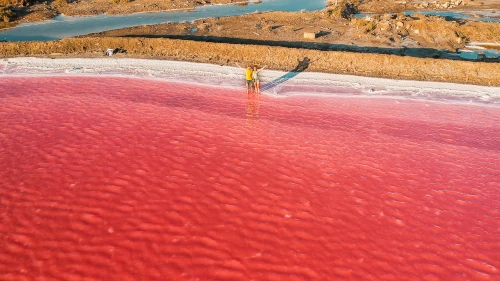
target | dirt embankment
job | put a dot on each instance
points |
(375, 65)
(85, 7)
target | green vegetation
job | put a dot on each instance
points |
(8, 9)
(367, 25)
(17, 3)
(60, 2)
(345, 9)
(6, 14)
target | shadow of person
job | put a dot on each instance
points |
(301, 66)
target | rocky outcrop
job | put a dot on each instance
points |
(424, 30)
(441, 4)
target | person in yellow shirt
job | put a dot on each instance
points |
(248, 77)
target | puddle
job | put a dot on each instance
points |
(481, 51)
(475, 16)
(472, 16)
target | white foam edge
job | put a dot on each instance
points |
(232, 77)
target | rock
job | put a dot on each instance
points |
(203, 27)
(386, 16)
(384, 26)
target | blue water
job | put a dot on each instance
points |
(62, 27)
(474, 54)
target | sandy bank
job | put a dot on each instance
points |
(276, 83)
(279, 58)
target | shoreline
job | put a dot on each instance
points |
(302, 83)
(41, 11)
(275, 57)
(144, 6)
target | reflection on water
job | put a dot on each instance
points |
(63, 27)
(253, 107)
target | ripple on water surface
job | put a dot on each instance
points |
(127, 179)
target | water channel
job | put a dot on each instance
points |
(63, 27)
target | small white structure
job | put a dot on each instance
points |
(110, 52)
(310, 35)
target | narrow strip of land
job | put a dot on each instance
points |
(280, 58)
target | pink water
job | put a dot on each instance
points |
(128, 179)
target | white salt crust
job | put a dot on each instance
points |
(274, 83)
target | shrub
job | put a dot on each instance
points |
(345, 9)
(367, 26)
(60, 2)
(6, 14)
(16, 3)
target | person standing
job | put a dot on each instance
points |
(248, 77)
(255, 78)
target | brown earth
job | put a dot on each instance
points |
(373, 65)
(85, 7)
(423, 36)
(48, 9)
(393, 6)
